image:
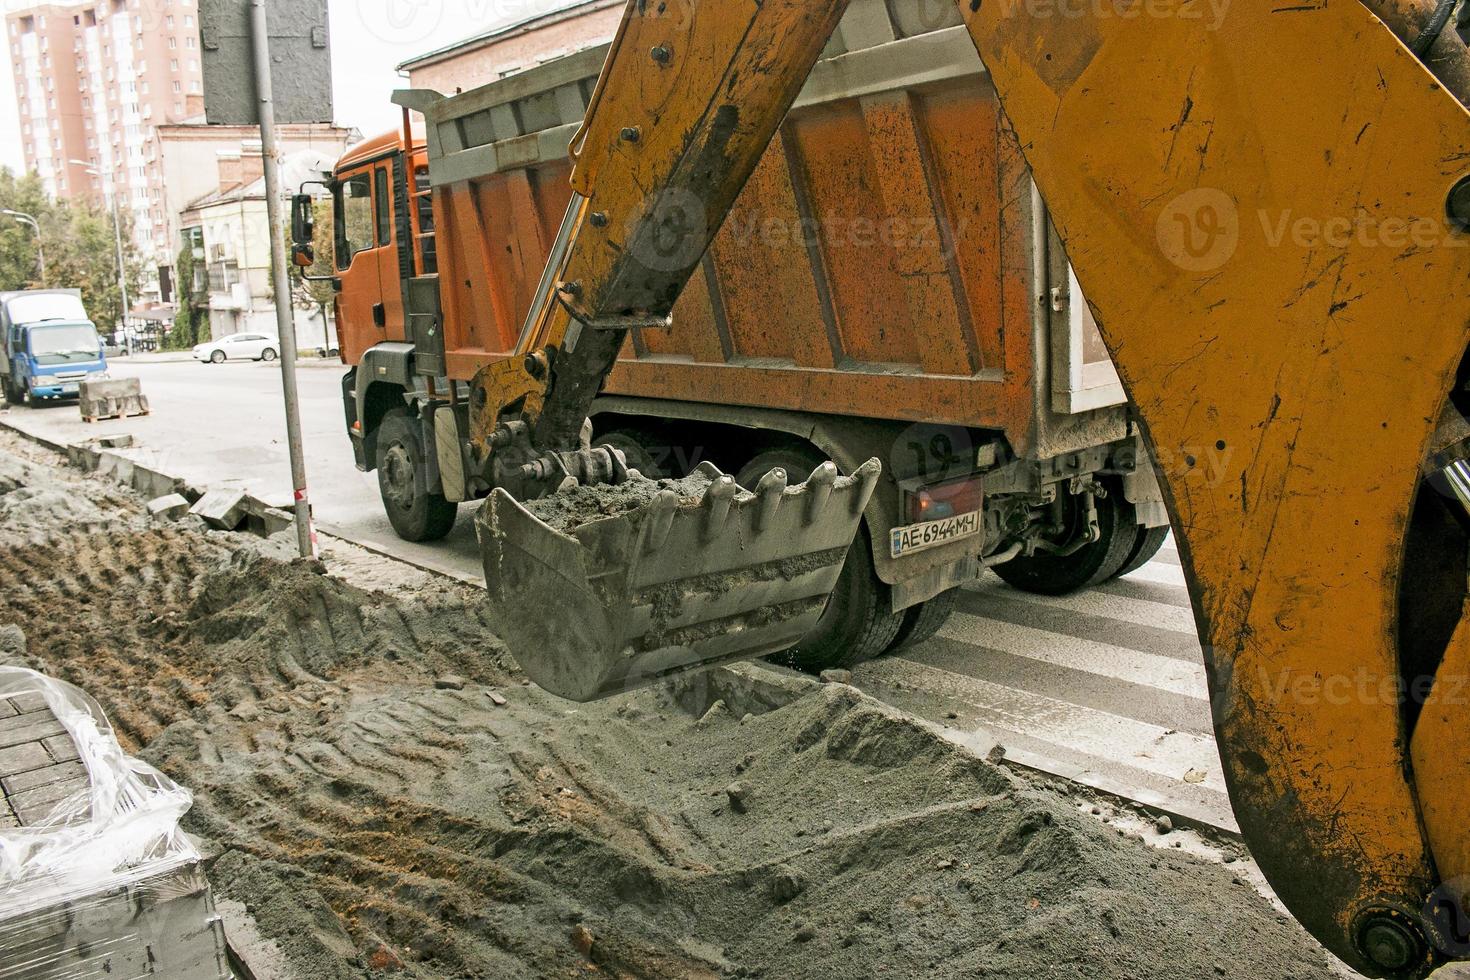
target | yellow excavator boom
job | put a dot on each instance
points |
(1263, 203)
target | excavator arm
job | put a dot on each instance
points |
(1264, 205)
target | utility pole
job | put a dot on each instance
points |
(285, 322)
(30, 220)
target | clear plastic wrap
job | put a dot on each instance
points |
(96, 877)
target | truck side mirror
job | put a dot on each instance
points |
(303, 256)
(303, 221)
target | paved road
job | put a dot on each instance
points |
(1106, 687)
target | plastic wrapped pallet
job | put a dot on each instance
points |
(96, 878)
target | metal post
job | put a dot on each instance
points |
(122, 272)
(259, 31)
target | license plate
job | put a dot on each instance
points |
(70, 389)
(932, 534)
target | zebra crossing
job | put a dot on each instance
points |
(1106, 687)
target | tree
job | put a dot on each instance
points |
(79, 243)
(193, 312)
(307, 295)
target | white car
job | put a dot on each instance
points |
(238, 347)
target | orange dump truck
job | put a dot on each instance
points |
(887, 286)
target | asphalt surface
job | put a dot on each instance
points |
(1106, 687)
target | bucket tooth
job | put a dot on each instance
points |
(769, 494)
(717, 501)
(867, 477)
(660, 520)
(819, 488)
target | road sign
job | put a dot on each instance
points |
(301, 63)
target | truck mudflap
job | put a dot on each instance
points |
(677, 583)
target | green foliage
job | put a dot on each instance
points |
(316, 295)
(193, 315)
(79, 244)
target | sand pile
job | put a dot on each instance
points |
(387, 796)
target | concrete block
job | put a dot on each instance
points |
(120, 441)
(221, 508)
(152, 483)
(170, 508)
(112, 398)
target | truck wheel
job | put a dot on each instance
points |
(923, 621)
(634, 446)
(1150, 540)
(1094, 564)
(415, 513)
(859, 622)
(13, 395)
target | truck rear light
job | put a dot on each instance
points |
(941, 500)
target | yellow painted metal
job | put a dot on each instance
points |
(1441, 754)
(1255, 207)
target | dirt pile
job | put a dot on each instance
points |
(379, 816)
(570, 509)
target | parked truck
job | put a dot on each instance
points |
(888, 285)
(50, 345)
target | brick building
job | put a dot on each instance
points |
(506, 50)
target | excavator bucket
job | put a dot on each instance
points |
(698, 572)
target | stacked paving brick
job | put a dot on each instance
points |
(150, 916)
(39, 766)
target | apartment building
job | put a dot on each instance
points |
(93, 81)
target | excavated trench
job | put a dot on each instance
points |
(387, 796)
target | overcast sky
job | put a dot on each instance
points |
(369, 38)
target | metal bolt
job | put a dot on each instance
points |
(661, 54)
(631, 134)
(599, 219)
(1457, 205)
(1390, 941)
(570, 288)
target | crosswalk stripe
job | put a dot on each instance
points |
(1090, 656)
(1112, 740)
(1140, 612)
(1147, 704)
(1160, 573)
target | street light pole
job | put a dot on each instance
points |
(285, 323)
(27, 219)
(122, 275)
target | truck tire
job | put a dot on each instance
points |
(923, 621)
(415, 513)
(1150, 540)
(1093, 565)
(859, 622)
(634, 446)
(13, 395)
